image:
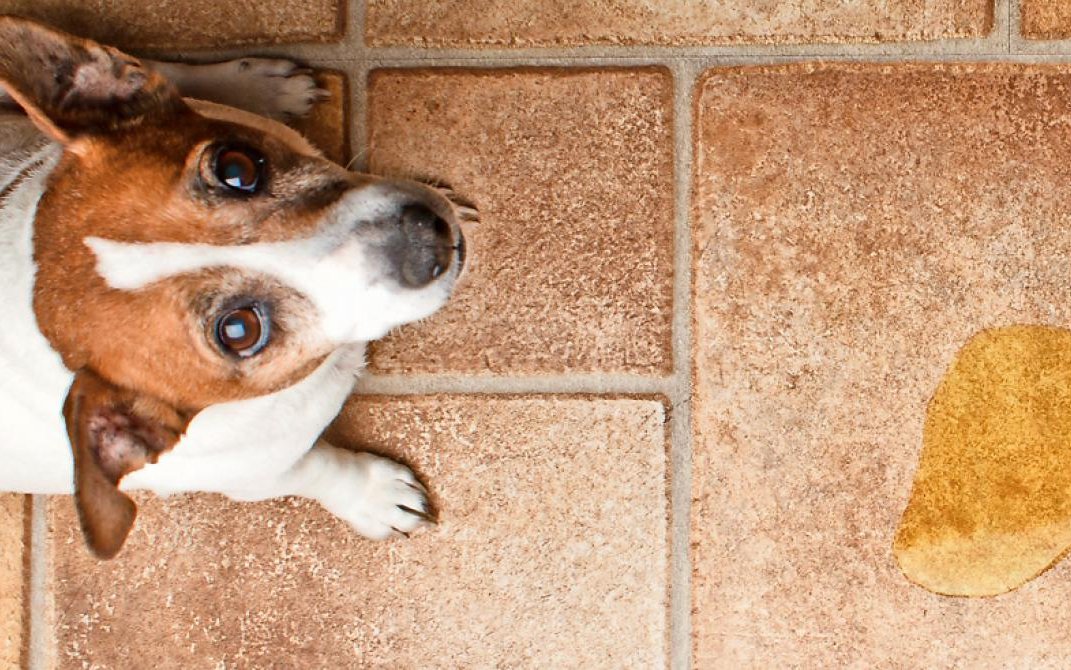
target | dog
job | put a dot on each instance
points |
(189, 287)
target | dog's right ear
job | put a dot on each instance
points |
(69, 85)
(113, 432)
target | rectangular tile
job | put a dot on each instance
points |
(13, 576)
(855, 225)
(551, 551)
(499, 23)
(183, 24)
(573, 173)
(1045, 19)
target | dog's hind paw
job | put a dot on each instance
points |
(274, 87)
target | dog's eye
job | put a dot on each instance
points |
(240, 168)
(242, 331)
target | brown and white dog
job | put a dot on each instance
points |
(188, 288)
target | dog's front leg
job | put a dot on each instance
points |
(375, 495)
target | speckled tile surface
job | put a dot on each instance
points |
(551, 552)
(573, 173)
(13, 520)
(1045, 19)
(179, 24)
(855, 225)
(504, 23)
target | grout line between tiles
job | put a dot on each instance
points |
(39, 648)
(357, 73)
(354, 65)
(353, 39)
(353, 47)
(685, 76)
(1011, 29)
(359, 116)
(603, 384)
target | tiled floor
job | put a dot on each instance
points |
(545, 502)
(673, 417)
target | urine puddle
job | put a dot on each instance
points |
(990, 508)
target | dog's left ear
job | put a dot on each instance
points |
(69, 85)
(113, 432)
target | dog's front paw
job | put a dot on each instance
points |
(273, 87)
(389, 501)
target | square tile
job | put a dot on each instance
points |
(183, 24)
(14, 550)
(854, 226)
(500, 23)
(551, 551)
(573, 173)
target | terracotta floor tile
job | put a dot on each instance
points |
(327, 127)
(13, 577)
(551, 553)
(1045, 19)
(504, 23)
(573, 173)
(856, 224)
(179, 24)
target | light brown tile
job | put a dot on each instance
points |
(13, 550)
(1045, 19)
(550, 553)
(513, 24)
(180, 24)
(855, 225)
(573, 174)
(327, 126)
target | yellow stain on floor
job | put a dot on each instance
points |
(991, 504)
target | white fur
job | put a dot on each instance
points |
(33, 381)
(250, 450)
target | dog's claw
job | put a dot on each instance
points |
(423, 514)
(415, 484)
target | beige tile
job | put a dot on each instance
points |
(178, 24)
(551, 553)
(505, 23)
(573, 173)
(327, 126)
(13, 556)
(1045, 19)
(855, 225)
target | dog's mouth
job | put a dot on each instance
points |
(460, 248)
(467, 217)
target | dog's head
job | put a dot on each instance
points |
(189, 254)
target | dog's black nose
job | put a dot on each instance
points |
(426, 247)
